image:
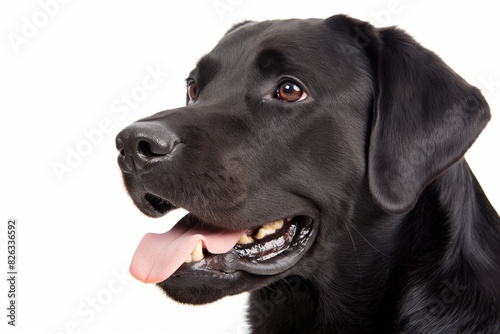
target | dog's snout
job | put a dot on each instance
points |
(144, 143)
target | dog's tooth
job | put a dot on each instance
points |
(245, 240)
(264, 232)
(197, 253)
(274, 225)
(269, 228)
(277, 224)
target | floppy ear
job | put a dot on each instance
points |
(425, 115)
(425, 118)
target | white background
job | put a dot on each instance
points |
(78, 232)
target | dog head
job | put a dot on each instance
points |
(292, 129)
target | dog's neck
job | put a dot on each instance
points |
(366, 292)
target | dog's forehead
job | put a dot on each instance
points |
(245, 44)
(250, 37)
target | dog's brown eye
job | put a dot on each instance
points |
(289, 91)
(192, 91)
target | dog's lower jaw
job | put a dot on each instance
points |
(194, 296)
(206, 286)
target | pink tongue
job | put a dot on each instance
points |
(159, 255)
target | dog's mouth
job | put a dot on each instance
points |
(193, 245)
(157, 204)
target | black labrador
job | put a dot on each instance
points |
(322, 165)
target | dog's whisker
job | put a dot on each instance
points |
(375, 248)
(355, 249)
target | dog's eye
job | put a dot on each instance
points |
(192, 91)
(289, 91)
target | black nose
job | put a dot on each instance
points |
(144, 143)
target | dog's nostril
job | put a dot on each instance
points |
(154, 149)
(144, 148)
